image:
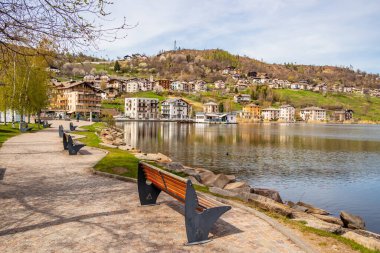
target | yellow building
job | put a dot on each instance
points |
(251, 111)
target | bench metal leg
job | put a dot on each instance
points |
(148, 194)
(198, 225)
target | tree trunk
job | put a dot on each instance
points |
(5, 116)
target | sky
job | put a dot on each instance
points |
(317, 32)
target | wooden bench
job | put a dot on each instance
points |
(73, 146)
(201, 212)
(24, 127)
(64, 141)
(46, 124)
(60, 131)
(72, 127)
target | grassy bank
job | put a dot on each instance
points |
(7, 131)
(365, 108)
(117, 161)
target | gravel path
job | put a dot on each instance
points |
(50, 202)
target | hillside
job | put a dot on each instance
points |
(207, 65)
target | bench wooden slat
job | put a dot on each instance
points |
(174, 187)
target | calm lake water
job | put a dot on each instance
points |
(335, 167)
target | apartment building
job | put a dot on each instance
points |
(270, 114)
(175, 108)
(313, 114)
(141, 108)
(287, 113)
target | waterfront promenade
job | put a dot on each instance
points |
(51, 202)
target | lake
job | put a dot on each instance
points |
(334, 167)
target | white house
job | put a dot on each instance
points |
(270, 114)
(221, 118)
(242, 98)
(210, 107)
(200, 86)
(220, 85)
(175, 108)
(287, 113)
(313, 114)
(179, 86)
(141, 108)
(136, 85)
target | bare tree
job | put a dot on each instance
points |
(71, 24)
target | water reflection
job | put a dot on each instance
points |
(329, 165)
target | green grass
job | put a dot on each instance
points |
(364, 108)
(116, 158)
(7, 131)
(147, 94)
(114, 104)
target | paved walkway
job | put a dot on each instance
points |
(50, 202)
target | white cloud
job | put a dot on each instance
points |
(311, 31)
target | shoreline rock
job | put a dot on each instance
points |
(352, 221)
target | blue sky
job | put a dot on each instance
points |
(319, 32)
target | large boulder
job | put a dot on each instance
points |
(192, 172)
(257, 200)
(238, 187)
(194, 180)
(352, 221)
(175, 166)
(269, 193)
(314, 222)
(329, 219)
(313, 209)
(364, 239)
(208, 178)
(118, 142)
(221, 180)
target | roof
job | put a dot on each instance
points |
(312, 108)
(172, 100)
(285, 106)
(270, 109)
(211, 103)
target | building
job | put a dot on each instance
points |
(138, 84)
(230, 70)
(200, 86)
(8, 115)
(141, 108)
(179, 86)
(287, 113)
(270, 114)
(110, 93)
(220, 85)
(342, 115)
(242, 98)
(75, 98)
(175, 108)
(211, 107)
(251, 111)
(313, 114)
(164, 83)
(221, 118)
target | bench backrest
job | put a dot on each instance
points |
(173, 185)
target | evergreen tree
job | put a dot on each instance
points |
(221, 107)
(117, 67)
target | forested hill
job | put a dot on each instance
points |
(207, 64)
